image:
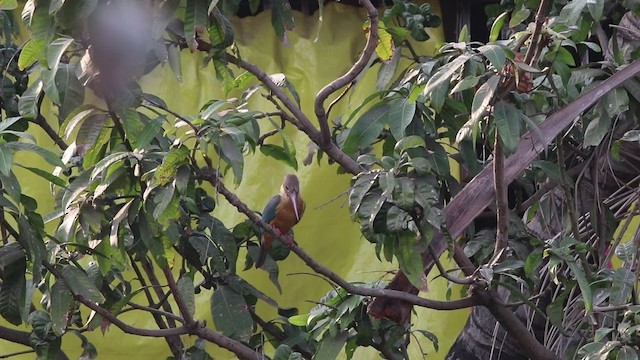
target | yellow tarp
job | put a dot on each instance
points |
(326, 231)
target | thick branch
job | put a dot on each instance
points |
(535, 38)
(15, 336)
(347, 78)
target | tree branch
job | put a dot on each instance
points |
(303, 122)
(15, 336)
(347, 78)
(502, 210)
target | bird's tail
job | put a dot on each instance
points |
(264, 249)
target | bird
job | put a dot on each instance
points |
(282, 212)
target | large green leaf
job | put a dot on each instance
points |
(47, 155)
(231, 152)
(231, 314)
(170, 164)
(12, 293)
(195, 19)
(481, 100)
(496, 55)
(410, 260)
(61, 301)
(584, 285)
(28, 102)
(366, 129)
(445, 72)
(621, 287)
(508, 122)
(330, 346)
(70, 90)
(80, 284)
(6, 160)
(401, 114)
(186, 292)
(281, 17)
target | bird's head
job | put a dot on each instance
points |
(291, 188)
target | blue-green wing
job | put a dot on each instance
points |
(269, 212)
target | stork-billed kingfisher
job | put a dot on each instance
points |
(282, 212)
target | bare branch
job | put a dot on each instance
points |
(535, 37)
(347, 78)
(502, 210)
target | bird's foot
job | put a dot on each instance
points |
(288, 240)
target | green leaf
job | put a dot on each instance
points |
(47, 155)
(584, 285)
(409, 142)
(80, 284)
(231, 152)
(330, 346)
(366, 129)
(170, 164)
(495, 54)
(6, 156)
(410, 261)
(616, 101)
(401, 114)
(175, 63)
(508, 119)
(55, 5)
(195, 19)
(231, 314)
(626, 352)
(186, 291)
(90, 130)
(55, 50)
(8, 4)
(497, 25)
(154, 244)
(35, 50)
(597, 129)
(481, 100)
(621, 287)
(12, 292)
(519, 16)
(106, 162)
(281, 17)
(445, 72)
(28, 102)
(596, 8)
(61, 301)
(387, 70)
(115, 223)
(570, 13)
(70, 90)
(299, 320)
(279, 153)
(284, 352)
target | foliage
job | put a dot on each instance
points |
(132, 177)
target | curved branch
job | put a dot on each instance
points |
(347, 78)
(213, 178)
(303, 122)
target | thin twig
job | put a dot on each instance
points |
(535, 37)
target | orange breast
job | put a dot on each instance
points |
(286, 216)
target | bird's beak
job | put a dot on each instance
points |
(294, 199)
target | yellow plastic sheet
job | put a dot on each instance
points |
(326, 231)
